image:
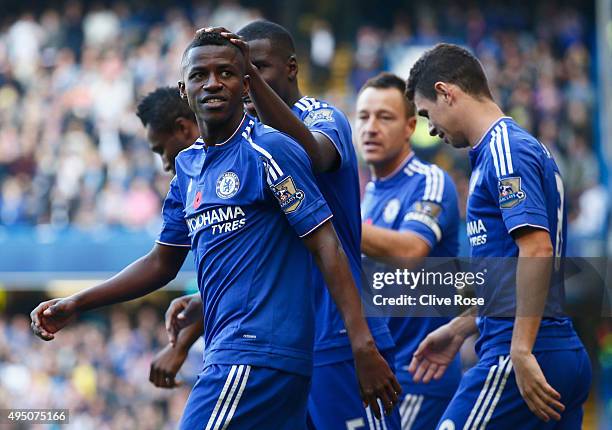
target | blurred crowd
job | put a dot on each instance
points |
(72, 151)
(99, 370)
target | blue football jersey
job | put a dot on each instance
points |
(420, 198)
(242, 207)
(515, 183)
(340, 188)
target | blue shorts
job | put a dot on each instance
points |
(422, 411)
(242, 397)
(488, 397)
(335, 404)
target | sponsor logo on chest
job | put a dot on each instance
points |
(222, 220)
(477, 232)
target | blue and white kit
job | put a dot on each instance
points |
(515, 183)
(340, 188)
(242, 207)
(420, 198)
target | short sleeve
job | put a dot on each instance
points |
(174, 231)
(433, 211)
(325, 119)
(290, 179)
(519, 186)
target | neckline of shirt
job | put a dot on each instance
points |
(234, 134)
(398, 169)
(497, 121)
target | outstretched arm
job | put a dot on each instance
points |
(145, 275)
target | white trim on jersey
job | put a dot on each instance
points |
(259, 149)
(300, 106)
(403, 165)
(315, 103)
(487, 393)
(528, 225)
(317, 226)
(507, 147)
(248, 129)
(494, 153)
(434, 180)
(500, 150)
(489, 129)
(173, 244)
(306, 104)
(271, 176)
(194, 146)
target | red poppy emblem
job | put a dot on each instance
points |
(197, 200)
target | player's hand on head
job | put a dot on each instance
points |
(376, 381)
(542, 399)
(51, 316)
(165, 366)
(434, 354)
(182, 312)
(236, 40)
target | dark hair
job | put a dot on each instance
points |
(387, 80)
(204, 38)
(447, 63)
(278, 35)
(161, 108)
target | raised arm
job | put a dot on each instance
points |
(273, 111)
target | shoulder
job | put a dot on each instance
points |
(313, 111)
(191, 152)
(268, 138)
(433, 182)
(273, 146)
(190, 157)
(511, 148)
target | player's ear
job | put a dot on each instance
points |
(182, 92)
(292, 68)
(182, 125)
(443, 91)
(410, 127)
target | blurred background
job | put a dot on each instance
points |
(80, 192)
